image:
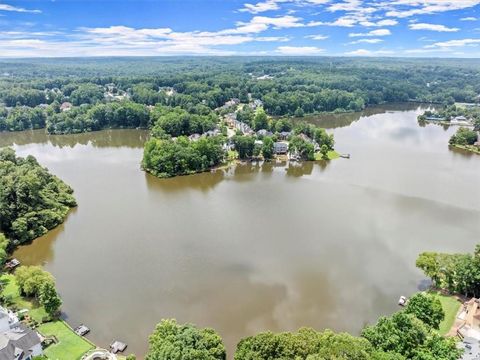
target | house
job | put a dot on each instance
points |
(305, 138)
(8, 319)
(434, 118)
(460, 120)
(264, 77)
(257, 103)
(20, 343)
(213, 132)
(284, 135)
(194, 137)
(66, 106)
(258, 142)
(230, 119)
(280, 148)
(263, 132)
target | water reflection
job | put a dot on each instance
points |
(97, 139)
(333, 121)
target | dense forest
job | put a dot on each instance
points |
(64, 95)
(32, 201)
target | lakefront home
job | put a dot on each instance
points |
(17, 341)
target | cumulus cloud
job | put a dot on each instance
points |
(365, 52)
(379, 32)
(455, 43)
(317, 37)
(432, 27)
(299, 50)
(366, 41)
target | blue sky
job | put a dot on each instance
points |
(421, 28)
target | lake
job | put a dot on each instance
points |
(256, 247)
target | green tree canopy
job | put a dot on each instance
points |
(172, 341)
(427, 308)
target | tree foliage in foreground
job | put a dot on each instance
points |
(404, 334)
(427, 308)
(32, 201)
(305, 344)
(184, 342)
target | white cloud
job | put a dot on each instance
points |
(5, 7)
(455, 43)
(469, 18)
(261, 7)
(432, 27)
(366, 41)
(379, 32)
(407, 8)
(385, 22)
(317, 37)
(364, 52)
(299, 50)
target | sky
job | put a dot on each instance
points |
(387, 28)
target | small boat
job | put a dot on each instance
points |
(12, 264)
(345, 156)
(402, 301)
(82, 330)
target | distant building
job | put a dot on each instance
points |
(256, 104)
(280, 148)
(264, 132)
(284, 135)
(194, 137)
(264, 77)
(66, 106)
(230, 119)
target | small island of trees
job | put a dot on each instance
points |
(188, 142)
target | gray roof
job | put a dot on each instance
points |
(16, 343)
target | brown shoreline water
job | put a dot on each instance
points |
(258, 246)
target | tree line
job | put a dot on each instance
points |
(287, 87)
(407, 334)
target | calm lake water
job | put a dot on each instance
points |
(257, 247)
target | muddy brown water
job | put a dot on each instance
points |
(256, 247)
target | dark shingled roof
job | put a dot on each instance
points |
(16, 343)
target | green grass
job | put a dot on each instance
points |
(70, 346)
(10, 289)
(332, 155)
(450, 306)
(470, 148)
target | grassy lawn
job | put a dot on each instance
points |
(471, 148)
(10, 288)
(70, 346)
(332, 155)
(450, 305)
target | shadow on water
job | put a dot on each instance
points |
(40, 250)
(98, 139)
